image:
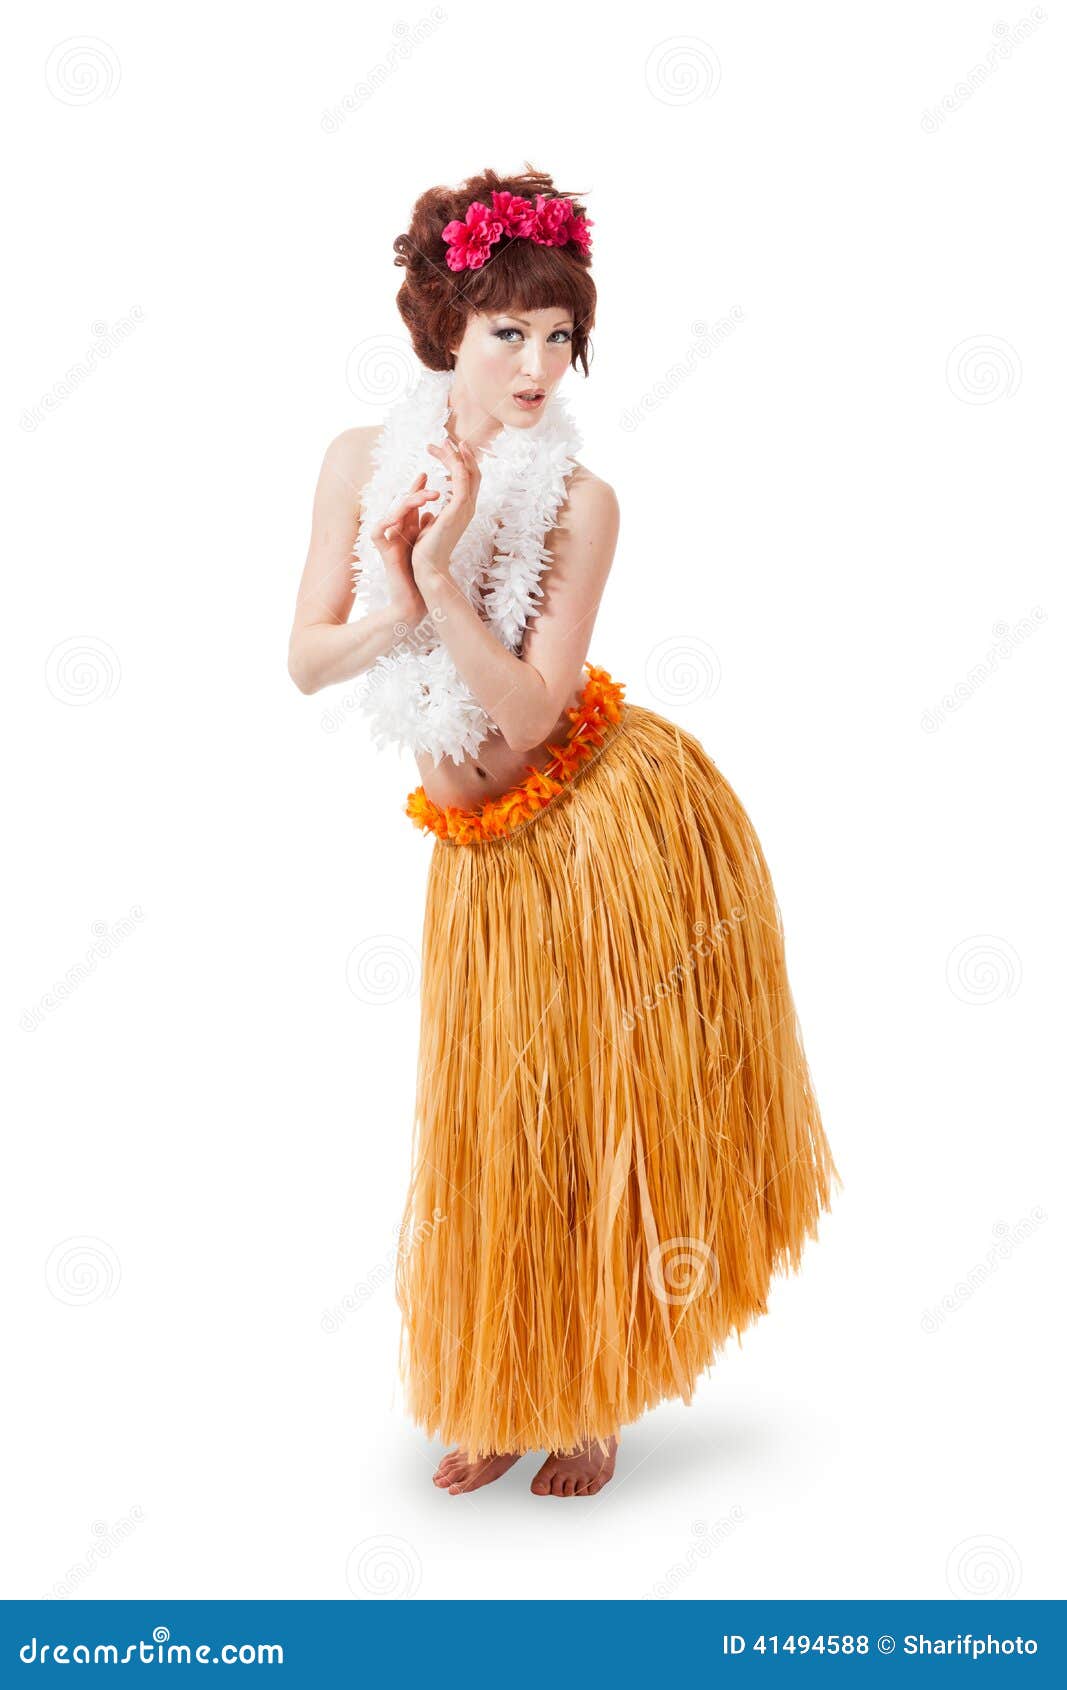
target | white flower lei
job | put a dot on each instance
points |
(414, 695)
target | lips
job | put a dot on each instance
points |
(530, 393)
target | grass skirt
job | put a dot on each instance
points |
(617, 1141)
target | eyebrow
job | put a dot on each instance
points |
(525, 321)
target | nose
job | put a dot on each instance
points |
(536, 362)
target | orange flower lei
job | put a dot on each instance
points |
(599, 707)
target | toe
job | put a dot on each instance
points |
(568, 1486)
(557, 1484)
(540, 1483)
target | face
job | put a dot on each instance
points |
(502, 356)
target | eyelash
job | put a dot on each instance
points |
(500, 333)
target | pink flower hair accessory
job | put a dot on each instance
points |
(549, 222)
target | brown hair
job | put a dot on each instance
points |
(435, 301)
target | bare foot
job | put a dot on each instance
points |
(581, 1473)
(458, 1473)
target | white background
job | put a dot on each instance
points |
(828, 513)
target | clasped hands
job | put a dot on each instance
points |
(416, 544)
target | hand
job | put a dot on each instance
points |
(394, 537)
(439, 535)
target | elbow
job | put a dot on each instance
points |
(526, 741)
(526, 736)
(299, 673)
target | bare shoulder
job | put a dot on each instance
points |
(590, 516)
(590, 496)
(348, 455)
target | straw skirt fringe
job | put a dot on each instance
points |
(617, 1139)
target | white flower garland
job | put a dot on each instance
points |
(414, 695)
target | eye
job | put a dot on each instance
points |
(500, 333)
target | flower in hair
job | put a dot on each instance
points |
(549, 222)
(469, 241)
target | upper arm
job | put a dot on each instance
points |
(581, 549)
(326, 592)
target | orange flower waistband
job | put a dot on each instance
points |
(598, 709)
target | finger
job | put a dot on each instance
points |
(409, 502)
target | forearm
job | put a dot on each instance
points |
(509, 690)
(323, 653)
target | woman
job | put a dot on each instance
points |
(617, 1142)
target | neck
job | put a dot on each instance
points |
(467, 420)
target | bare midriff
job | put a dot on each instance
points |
(495, 769)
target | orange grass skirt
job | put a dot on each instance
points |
(617, 1142)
